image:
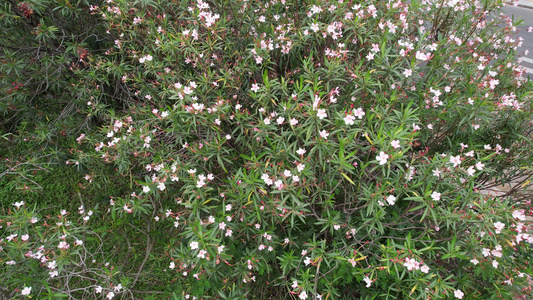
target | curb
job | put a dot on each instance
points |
(528, 4)
(525, 4)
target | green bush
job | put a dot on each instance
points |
(324, 150)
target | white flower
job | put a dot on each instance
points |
(161, 186)
(495, 264)
(307, 260)
(110, 295)
(52, 265)
(424, 269)
(194, 245)
(480, 165)
(278, 184)
(411, 263)
(391, 199)
(146, 189)
(294, 284)
(458, 294)
(321, 114)
(395, 144)
(26, 291)
(455, 160)
(382, 158)
(359, 113)
(303, 295)
(471, 171)
(435, 196)
(18, 205)
(324, 134)
(368, 281)
(300, 151)
(255, 87)
(293, 121)
(228, 137)
(349, 120)
(407, 72)
(63, 245)
(499, 226)
(202, 254)
(474, 261)
(519, 214)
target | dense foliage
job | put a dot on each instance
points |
(263, 149)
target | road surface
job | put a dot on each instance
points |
(525, 13)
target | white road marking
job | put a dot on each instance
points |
(525, 59)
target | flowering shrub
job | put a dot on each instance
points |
(320, 150)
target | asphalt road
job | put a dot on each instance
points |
(527, 15)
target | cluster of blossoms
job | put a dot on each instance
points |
(146, 58)
(411, 264)
(279, 184)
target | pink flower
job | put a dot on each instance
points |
(202, 253)
(499, 226)
(63, 245)
(349, 120)
(519, 214)
(352, 261)
(455, 160)
(359, 113)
